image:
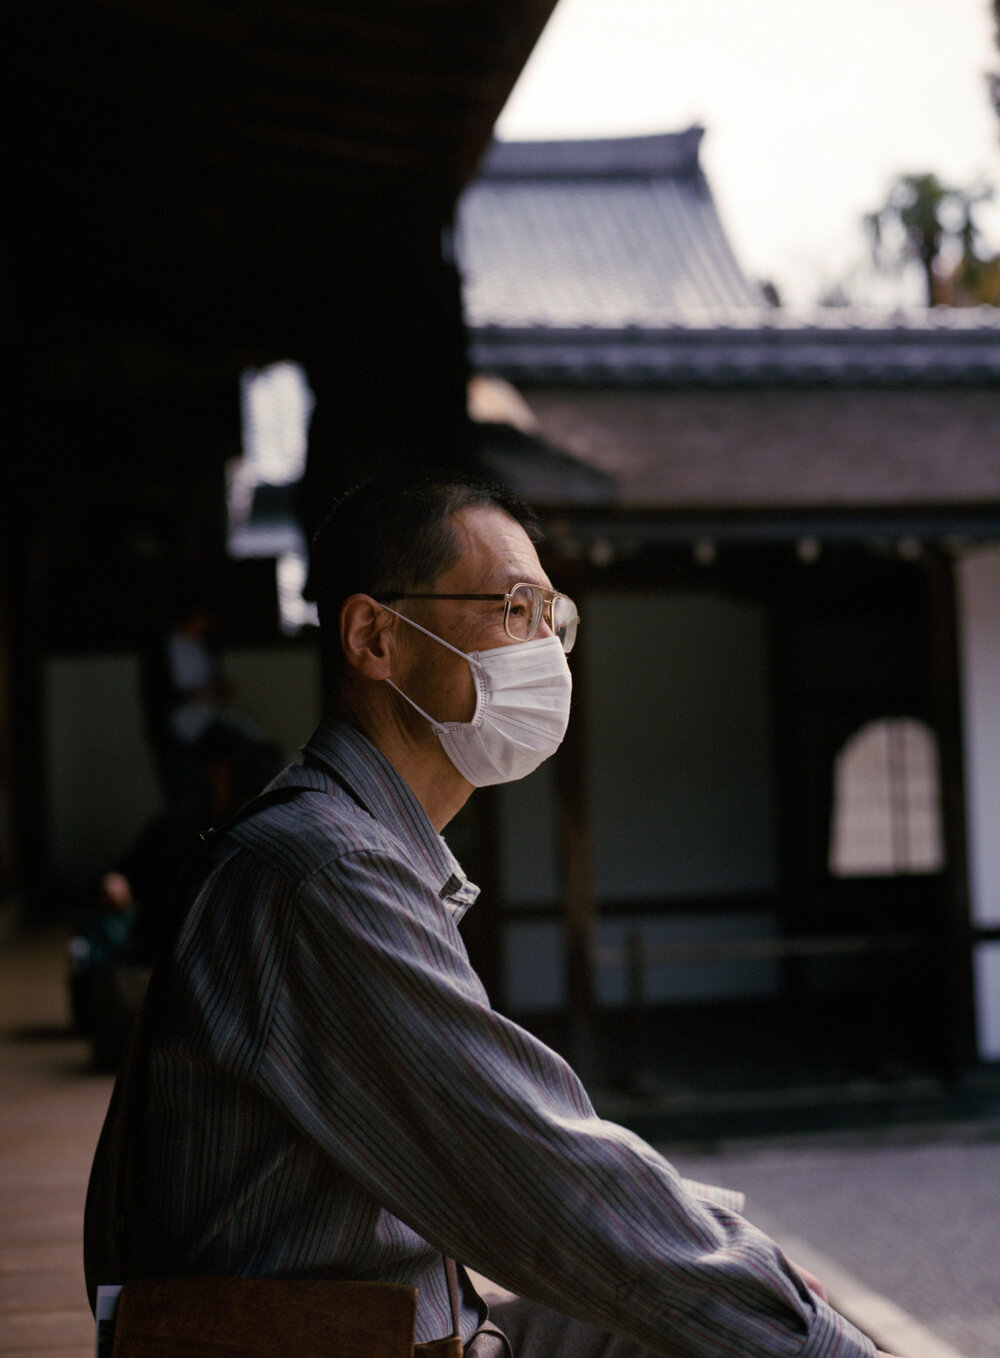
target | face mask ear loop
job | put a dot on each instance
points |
(434, 637)
(472, 657)
(436, 724)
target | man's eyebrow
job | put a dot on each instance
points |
(506, 583)
(525, 578)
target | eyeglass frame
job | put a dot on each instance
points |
(550, 597)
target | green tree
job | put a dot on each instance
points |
(932, 224)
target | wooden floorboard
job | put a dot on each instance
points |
(51, 1109)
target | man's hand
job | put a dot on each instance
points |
(115, 892)
(814, 1285)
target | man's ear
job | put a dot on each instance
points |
(366, 636)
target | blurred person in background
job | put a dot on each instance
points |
(183, 692)
(114, 949)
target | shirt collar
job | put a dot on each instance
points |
(385, 795)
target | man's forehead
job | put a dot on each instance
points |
(494, 550)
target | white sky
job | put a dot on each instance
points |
(810, 109)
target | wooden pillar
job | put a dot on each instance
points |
(24, 877)
(579, 909)
(8, 864)
(959, 1044)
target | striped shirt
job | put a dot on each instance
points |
(331, 1093)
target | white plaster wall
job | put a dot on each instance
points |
(680, 779)
(527, 839)
(986, 972)
(678, 728)
(100, 783)
(101, 788)
(979, 622)
(978, 578)
(679, 742)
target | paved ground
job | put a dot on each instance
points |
(904, 1226)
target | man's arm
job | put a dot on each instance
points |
(479, 1137)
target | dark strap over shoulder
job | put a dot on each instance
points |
(111, 1216)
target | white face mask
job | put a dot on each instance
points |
(522, 709)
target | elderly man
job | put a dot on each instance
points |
(330, 1091)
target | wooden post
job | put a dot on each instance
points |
(959, 1045)
(576, 875)
(8, 869)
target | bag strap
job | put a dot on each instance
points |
(451, 1273)
(110, 1214)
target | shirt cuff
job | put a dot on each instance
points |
(833, 1336)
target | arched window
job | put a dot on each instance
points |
(887, 802)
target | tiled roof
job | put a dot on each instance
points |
(598, 279)
(833, 450)
(609, 234)
(941, 347)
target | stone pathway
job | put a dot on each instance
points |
(903, 1226)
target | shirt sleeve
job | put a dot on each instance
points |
(729, 1198)
(383, 1049)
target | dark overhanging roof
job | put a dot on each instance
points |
(265, 105)
(203, 177)
(200, 187)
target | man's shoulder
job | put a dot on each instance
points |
(305, 821)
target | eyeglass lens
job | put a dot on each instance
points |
(527, 608)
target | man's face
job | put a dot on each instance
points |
(495, 553)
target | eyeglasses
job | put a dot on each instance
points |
(525, 607)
